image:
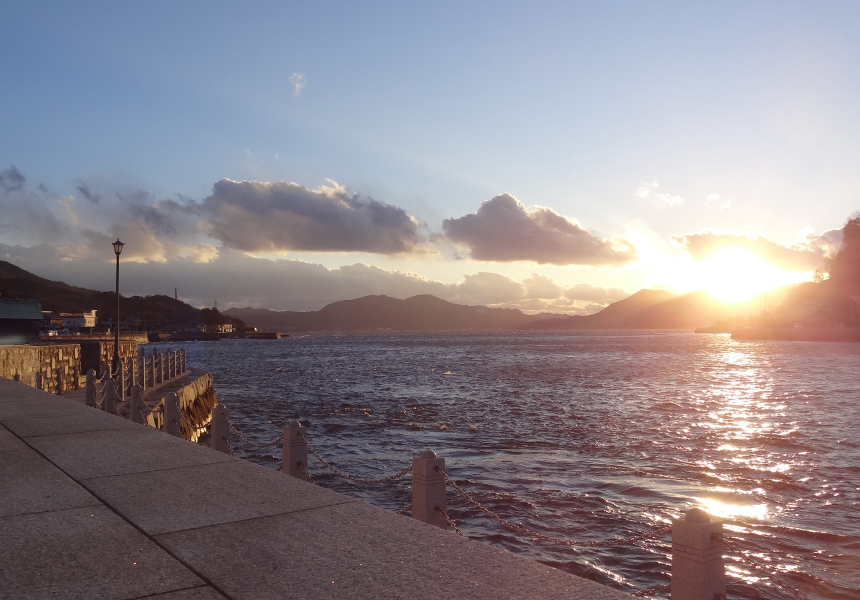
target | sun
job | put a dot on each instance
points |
(737, 274)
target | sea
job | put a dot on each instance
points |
(583, 437)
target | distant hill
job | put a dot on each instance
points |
(153, 311)
(650, 309)
(646, 309)
(418, 313)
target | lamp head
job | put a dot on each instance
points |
(117, 246)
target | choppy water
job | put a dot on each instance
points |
(587, 437)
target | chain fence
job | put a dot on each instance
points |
(249, 442)
(548, 538)
(451, 523)
(351, 478)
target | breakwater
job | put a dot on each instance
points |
(157, 389)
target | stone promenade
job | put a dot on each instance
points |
(93, 506)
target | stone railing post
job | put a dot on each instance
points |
(698, 572)
(171, 362)
(59, 377)
(141, 370)
(163, 367)
(171, 415)
(428, 489)
(184, 360)
(111, 396)
(156, 367)
(91, 388)
(137, 405)
(220, 438)
(120, 380)
(150, 372)
(295, 451)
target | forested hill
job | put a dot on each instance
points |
(152, 311)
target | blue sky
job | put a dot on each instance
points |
(641, 122)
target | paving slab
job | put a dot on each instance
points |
(123, 451)
(27, 408)
(87, 553)
(9, 441)
(31, 484)
(11, 390)
(359, 551)
(198, 593)
(89, 420)
(189, 497)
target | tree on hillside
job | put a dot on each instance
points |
(844, 268)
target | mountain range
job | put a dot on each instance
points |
(646, 309)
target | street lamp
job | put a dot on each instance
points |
(117, 247)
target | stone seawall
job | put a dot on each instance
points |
(26, 361)
(196, 401)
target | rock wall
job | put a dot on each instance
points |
(93, 354)
(196, 401)
(58, 365)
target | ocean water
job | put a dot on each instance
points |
(585, 437)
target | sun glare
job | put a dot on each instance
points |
(736, 275)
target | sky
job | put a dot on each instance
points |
(545, 156)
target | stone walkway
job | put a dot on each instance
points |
(93, 506)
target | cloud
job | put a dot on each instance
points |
(650, 190)
(542, 287)
(504, 230)
(718, 201)
(12, 179)
(87, 193)
(276, 216)
(298, 81)
(597, 295)
(805, 255)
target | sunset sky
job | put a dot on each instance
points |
(546, 156)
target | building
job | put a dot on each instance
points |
(219, 328)
(85, 320)
(20, 317)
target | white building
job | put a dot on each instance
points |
(85, 320)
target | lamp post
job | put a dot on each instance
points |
(117, 247)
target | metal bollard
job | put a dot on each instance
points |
(171, 415)
(698, 572)
(295, 452)
(91, 388)
(428, 489)
(220, 438)
(38, 380)
(137, 405)
(111, 397)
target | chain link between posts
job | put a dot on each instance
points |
(451, 523)
(191, 426)
(334, 470)
(654, 590)
(548, 538)
(247, 441)
(306, 472)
